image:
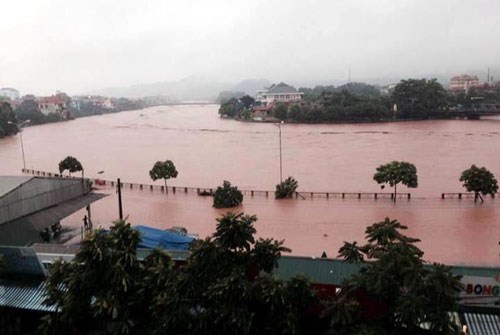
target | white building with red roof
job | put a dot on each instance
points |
(53, 104)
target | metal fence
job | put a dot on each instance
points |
(460, 195)
(206, 191)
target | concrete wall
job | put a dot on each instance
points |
(37, 194)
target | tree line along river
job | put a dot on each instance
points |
(325, 157)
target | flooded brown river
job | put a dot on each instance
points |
(335, 158)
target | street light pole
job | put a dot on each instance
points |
(19, 127)
(22, 149)
(281, 160)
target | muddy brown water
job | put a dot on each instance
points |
(328, 158)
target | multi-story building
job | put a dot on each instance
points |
(101, 102)
(464, 82)
(53, 104)
(279, 93)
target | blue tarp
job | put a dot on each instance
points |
(157, 238)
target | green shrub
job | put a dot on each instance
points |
(227, 196)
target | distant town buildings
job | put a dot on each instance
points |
(60, 106)
(53, 104)
(11, 93)
(465, 82)
(94, 101)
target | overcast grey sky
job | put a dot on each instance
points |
(80, 45)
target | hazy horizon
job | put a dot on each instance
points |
(81, 46)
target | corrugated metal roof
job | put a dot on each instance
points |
(23, 295)
(482, 324)
(454, 317)
(319, 270)
(334, 271)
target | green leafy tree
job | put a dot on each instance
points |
(28, 110)
(53, 117)
(106, 287)
(163, 170)
(280, 111)
(294, 112)
(230, 108)
(71, 164)
(480, 181)
(7, 120)
(286, 189)
(237, 107)
(409, 294)
(229, 278)
(350, 102)
(226, 286)
(351, 252)
(396, 172)
(245, 114)
(226, 196)
(247, 101)
(361, 89)
(419, 98)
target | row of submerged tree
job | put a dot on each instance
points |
(411, 99)
(227, 286)
(478, 180)
(225, 196)
(475, 179)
